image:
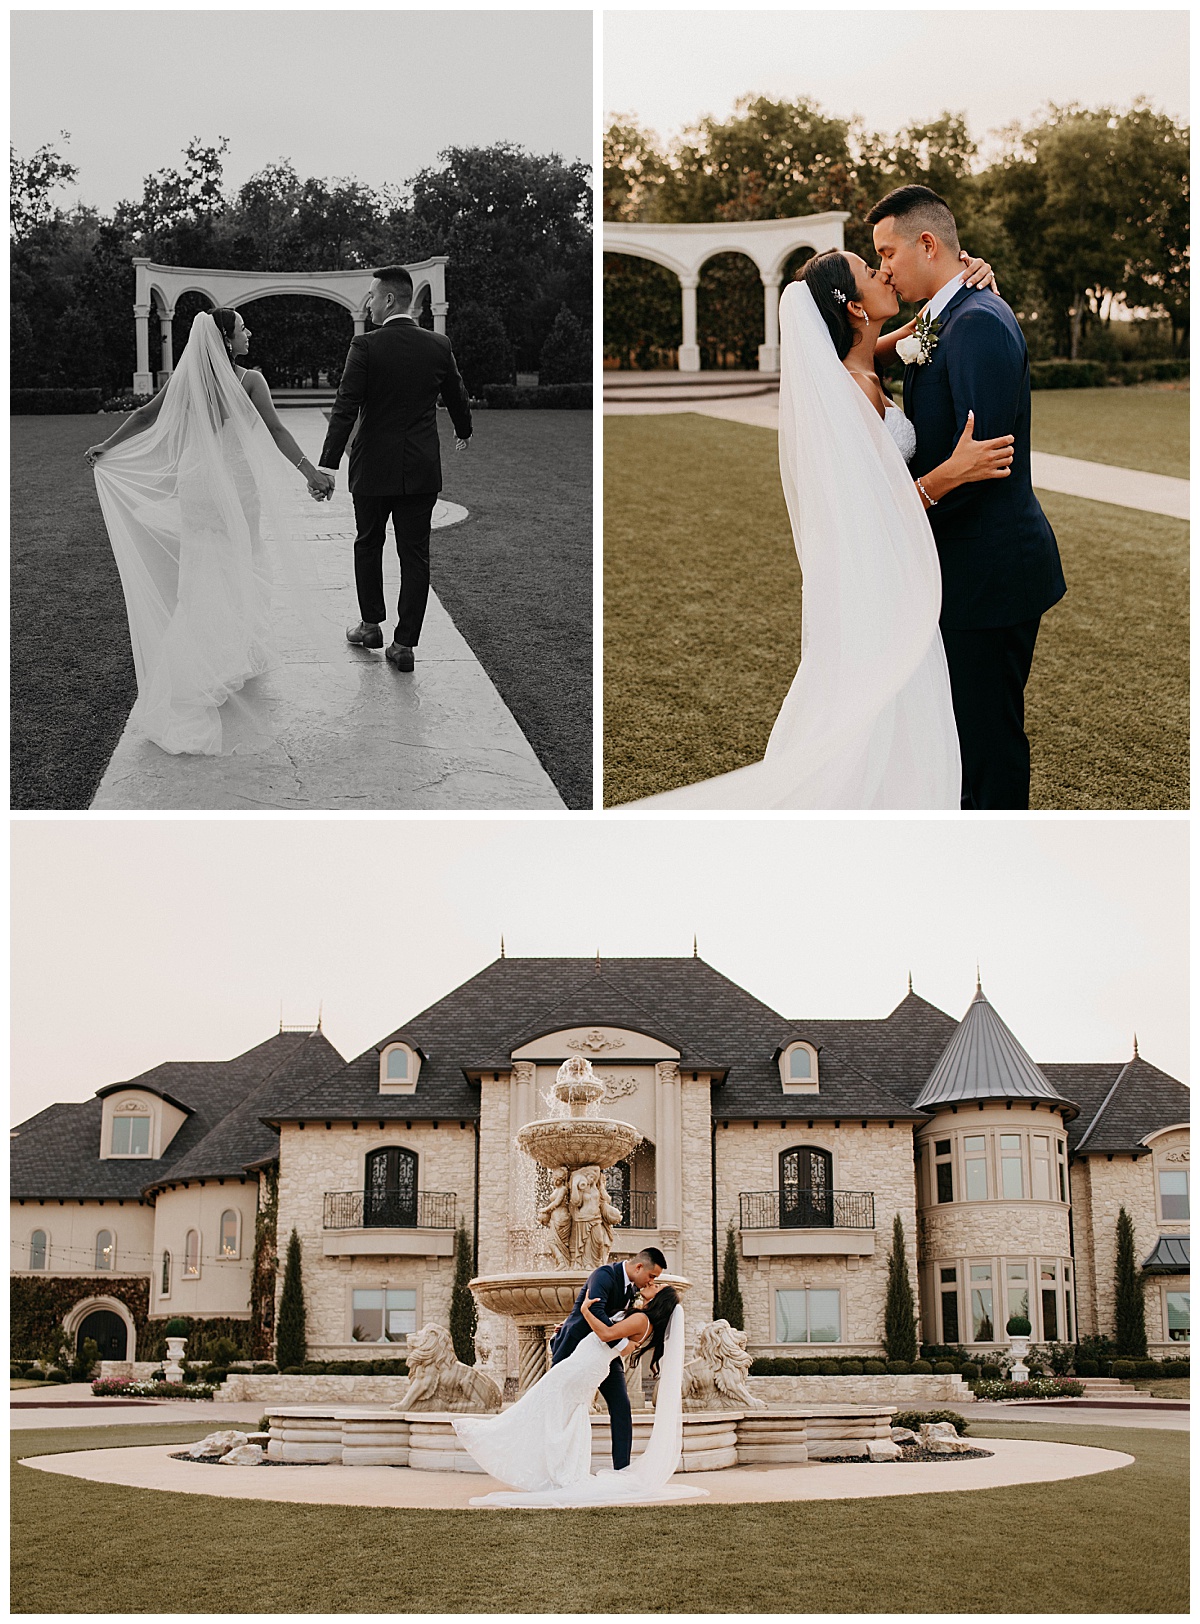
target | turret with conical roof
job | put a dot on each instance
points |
(984, 1061)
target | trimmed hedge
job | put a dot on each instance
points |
(914, 1419)
(511, 397)
(336, 1367)
(56, 402)
(1103, 374)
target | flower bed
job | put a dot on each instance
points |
(118, 1387)
(1035, 1387)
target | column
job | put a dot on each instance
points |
(768, 353)
(166, 317)
(532, 1358)
(668, 1168)
(438, 309)
(143, 381)
(689, 350)
(360, 325)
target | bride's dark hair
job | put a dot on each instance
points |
(658, 1311)
(829, 275)
(225, 320)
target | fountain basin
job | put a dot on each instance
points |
(578, 1141)
(542, 1296)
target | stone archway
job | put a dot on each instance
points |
(78, 1315)
(683, 249)
(160, 286)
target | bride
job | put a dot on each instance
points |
(867, 722)
(543, 1445)
(193, 495)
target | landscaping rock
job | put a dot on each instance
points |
(882, 1449)
(940, 1438)
(218, 1443)
(244, 1455)
(904, 1435)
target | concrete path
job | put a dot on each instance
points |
(1050, 1412)
(1013, 1461)
(336, 728)
(1069, 476)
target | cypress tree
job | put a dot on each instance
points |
(729, 1298)
(899, 1312)
(463, 1314)
(1130, 1302)
(291, 1340)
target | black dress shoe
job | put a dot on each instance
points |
(400, 656)
(364, 635)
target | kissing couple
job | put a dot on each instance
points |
(927, 561)
(542, 1446)
(204, 528)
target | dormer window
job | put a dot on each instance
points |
(130, 1135)
(798, 1069)
(399, 1064)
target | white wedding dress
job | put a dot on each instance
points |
(867, 723)
(543, 1444)
(200, 517)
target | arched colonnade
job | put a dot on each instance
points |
(684, 249)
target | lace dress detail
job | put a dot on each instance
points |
(902, 431)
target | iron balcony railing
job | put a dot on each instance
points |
(387, 1209)
(807, 1209)
(638, 1208)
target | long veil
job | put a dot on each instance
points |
(196, 509)
(867, 722)
(648, 1477)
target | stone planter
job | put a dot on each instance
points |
(173, 1364)
(1019, 1346)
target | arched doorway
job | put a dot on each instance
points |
(729, 313)
(107, 1330)
(390, 1198)
(805, 1188)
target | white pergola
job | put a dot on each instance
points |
(160, 287)
(685, 248)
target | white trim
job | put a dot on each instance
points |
(399, 1085)
(799, 1085)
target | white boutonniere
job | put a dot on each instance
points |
(920, 345)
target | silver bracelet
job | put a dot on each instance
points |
(926, 494)
(303, 460)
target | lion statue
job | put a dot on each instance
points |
(716, 1378)
(437, 1381)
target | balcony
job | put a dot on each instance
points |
(638, 1208)
(808, 1223)
(389, 1223)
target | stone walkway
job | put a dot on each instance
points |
(335, 728)
(1013, 1461)
(1069, 476)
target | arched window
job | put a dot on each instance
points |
(105, 1249)
(798, 1069)
(399, 1064)
(390, 1195)
(229, 1233)
(165, 1288)
(37, 1249)
(191, 1255)
(805, 1187)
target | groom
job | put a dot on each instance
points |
(999, 558)
(616, 1285)
(393, 377)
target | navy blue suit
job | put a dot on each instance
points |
(608, 1284)
(1000, 565)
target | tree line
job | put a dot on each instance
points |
(515, 225)
(1081, 213)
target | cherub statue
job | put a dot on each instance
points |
(556, 1215)
(593, 1217)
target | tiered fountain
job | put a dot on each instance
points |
(576, 1148)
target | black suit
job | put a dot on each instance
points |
(616, 1296)
(393, 378)
(1000, 565)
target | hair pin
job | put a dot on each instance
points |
(839, 295)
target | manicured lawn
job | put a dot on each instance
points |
(702, 625)
(1113, 1543)
(516, 578)
(1165, 1386)
(1146, 428)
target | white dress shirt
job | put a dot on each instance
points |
(943, 296)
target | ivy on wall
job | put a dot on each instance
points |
(39, 1306)
(266, 1262)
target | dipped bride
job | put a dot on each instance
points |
(192, 490)
(868, 721)
(543, 1444)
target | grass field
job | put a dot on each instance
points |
(1112, 1543)
(1146, 428)
(516, 578)
(702, 624)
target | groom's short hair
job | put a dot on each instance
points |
(916, 209)
(652, 1255)
(398, 280)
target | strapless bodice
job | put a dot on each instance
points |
(901, 430)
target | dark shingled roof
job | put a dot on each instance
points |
(513, 1000)
(55, 1155)
(1172, 1255)
(1140, 1100)
(984, 1061)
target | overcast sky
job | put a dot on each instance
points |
(136, 942)
(372, 94)
(892, 67)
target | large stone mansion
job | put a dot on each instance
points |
(806, 1136)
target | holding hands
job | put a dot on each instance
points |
(320, 485)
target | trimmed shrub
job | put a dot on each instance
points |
(913, 1419)
(463, 1315)
(852, 1367)
(899, 1367)
(937, 1350)
(561, 397)
(265, 1370)
(1036, 1387)
(1086, 1367)
(830, 1367)
(1018, 1325)
(729, 1298)
(991, 1373)
(57, 1376)
(291, 1342)
(1124, 1369)
(1130, 1311)
(899, 1310)
(1177, 1367)
(970, 1372)
(1149, 1367)
(874, 1367)
(944, 1367)
(1103, 374)
(295, 1370)
(87, 1357)
(566, 357)
(53, 402)
(922, 1367)
(177, 1327)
